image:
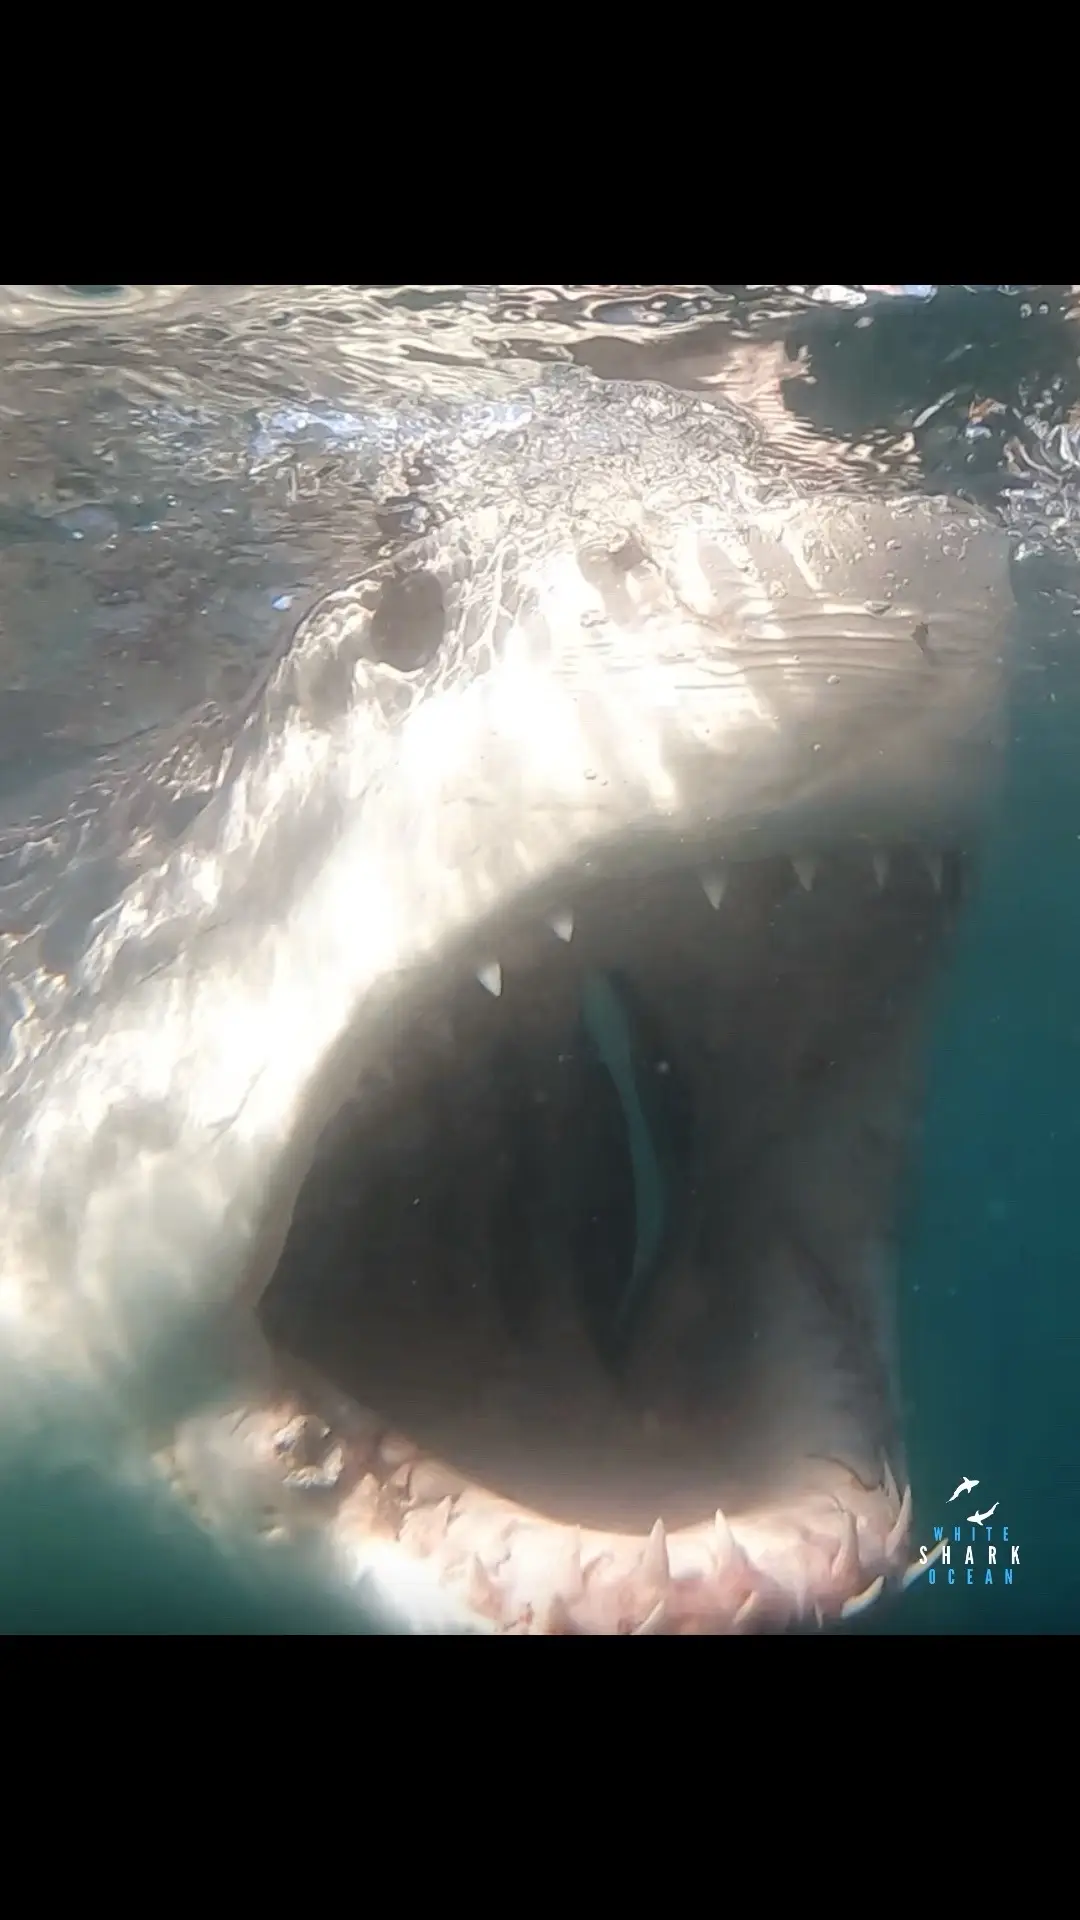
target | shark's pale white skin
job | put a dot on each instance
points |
(623, 710)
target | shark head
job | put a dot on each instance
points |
(455, 1104)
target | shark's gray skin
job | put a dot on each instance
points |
(619, 705)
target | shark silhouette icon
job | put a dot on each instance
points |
(980, 1519)
(966, 1486)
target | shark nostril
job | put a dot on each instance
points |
(407, 621)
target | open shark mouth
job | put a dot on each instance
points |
(603, 1255)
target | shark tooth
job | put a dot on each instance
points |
(805, 870)
(860, 1601)
(654, 1622)
(881, 869)
(935, 867)
(898, 1531)
(490, 976)
(715, 885)
(919, 1567)
(654, 1561)
(749, 1610)
(562, 924)
(725, 1545)
(846, 1561)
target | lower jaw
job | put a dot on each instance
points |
(424, 1549)
(731, 1467)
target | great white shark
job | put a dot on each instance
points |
(455, 1101)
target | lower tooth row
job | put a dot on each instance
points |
(714, 885)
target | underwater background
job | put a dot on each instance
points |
(978, 390)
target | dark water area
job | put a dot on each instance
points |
(187, 470)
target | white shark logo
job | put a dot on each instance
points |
(966, 1486)
(980, 1519)
(976, 1519)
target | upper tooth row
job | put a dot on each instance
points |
(714, 883)
(714, 880)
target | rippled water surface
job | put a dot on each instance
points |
(186, 469)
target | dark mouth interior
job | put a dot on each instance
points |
(609, 1241)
